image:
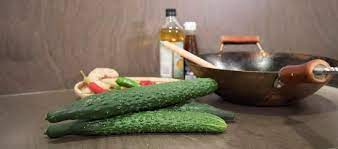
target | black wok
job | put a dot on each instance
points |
(264, 79)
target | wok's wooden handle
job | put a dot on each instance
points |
(240, 39)
(294, 74)
(188, 55)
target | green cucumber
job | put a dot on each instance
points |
(143, 122)
(228, 116)
(125, 82)
(136, 99)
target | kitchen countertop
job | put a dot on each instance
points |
(311, 123)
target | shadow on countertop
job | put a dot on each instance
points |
(310, 105)
(79, 138)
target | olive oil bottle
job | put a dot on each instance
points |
(171, 64)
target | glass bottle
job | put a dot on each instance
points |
(190, 45)
(171, 64)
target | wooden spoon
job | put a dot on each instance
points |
(188, 55)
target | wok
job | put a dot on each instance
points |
(261, 78)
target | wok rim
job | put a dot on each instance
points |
(250, 71)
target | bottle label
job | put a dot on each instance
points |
(171, 64)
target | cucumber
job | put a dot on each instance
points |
(143, 122)
(228, 116)
(136, 99)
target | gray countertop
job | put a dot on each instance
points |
(311, 123)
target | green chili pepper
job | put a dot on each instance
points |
(125, 82)
(117, 87)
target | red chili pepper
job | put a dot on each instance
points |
(146, 83)
(95, 88)
(92, 85)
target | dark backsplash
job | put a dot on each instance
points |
(44, 44)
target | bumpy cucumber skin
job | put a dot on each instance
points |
(143, 122)
(228, 116)
(133, 100)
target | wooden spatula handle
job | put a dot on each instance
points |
(188, 55)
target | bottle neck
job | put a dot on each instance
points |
(171, 19)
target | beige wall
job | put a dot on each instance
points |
(44, 44)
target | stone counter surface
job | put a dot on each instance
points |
(309, 124)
